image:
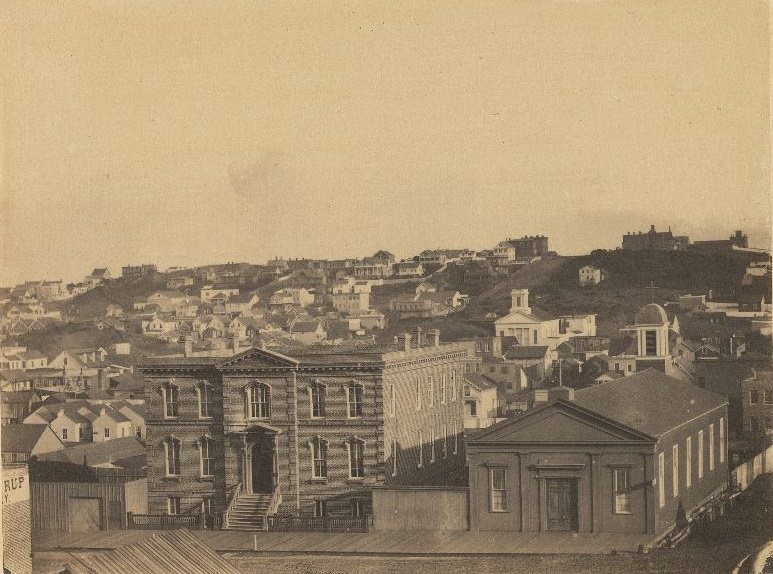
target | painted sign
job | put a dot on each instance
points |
(16, 485)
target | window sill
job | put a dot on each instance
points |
(207, 478)
(201, 418)
(172, 478)
(355, 479)
(499, 511)
(319, 479)
(623, 513)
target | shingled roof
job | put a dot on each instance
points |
(649, 401)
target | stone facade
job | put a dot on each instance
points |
(269, 413)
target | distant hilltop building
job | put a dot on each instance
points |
(138, 271)
(655, 241)
(738, 240)
(529, 245)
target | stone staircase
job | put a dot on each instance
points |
(249, 512)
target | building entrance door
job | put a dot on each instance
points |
(561, 504)
(262, 469)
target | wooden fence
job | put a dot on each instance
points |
(744, 474)
(172, 521)
(282, 523)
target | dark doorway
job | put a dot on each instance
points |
(562, 504)
(262, 469)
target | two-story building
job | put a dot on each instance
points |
(316, 428)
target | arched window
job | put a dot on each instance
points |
(204, 390)
(318, 457)
(354, 400)
(172, 456)
(356, 448)
(258, 401)
(317, 393)
(205, 452)
(171, 393)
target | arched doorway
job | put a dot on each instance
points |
(262, 468)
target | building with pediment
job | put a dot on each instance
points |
(309, 432)
(625, 457)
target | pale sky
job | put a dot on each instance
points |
(187, 133)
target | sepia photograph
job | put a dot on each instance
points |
(347, 287)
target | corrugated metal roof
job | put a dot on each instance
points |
(174, 551)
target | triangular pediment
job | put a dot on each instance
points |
(257, 358)
(517, 317)
(559, 423)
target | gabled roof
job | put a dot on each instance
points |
(559, 422)
(649, 401)
(96, 453)
(480, 382)
(173, 551)
(22, 437)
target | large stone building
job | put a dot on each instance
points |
(655, 240)
(318, 428)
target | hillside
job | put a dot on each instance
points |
(554, 284)
(56, 337)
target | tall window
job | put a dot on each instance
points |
(444, 447)
(754, 397)
(675, 469)
(356, 459)
(392, 401)
(320, 508)
(420, 446)
(456, 438)
(650, 343)
(205, 400)
(172, 452)
(721, 439)
(431, 391)
(317, 391)
(418, 394)
(171, 393)
(173, 505)
(498, 489)
(711, 447)
(432, 444)
(64, 434)
(319, 458)
(769, 396)
(453, 385)
(700, 454)
(259, 401)
(443, 389)
(661, 480)
(688, 462)
(358, 507)
(107, 432)
(206, 457)
(355, 400)
(622, 484)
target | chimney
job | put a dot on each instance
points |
(433, 338)
(60, 413)
(416, 338)
(404, 341)
(188, 347)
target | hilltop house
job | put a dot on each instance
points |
(408, 269)
(592, 275)
(97, 277)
